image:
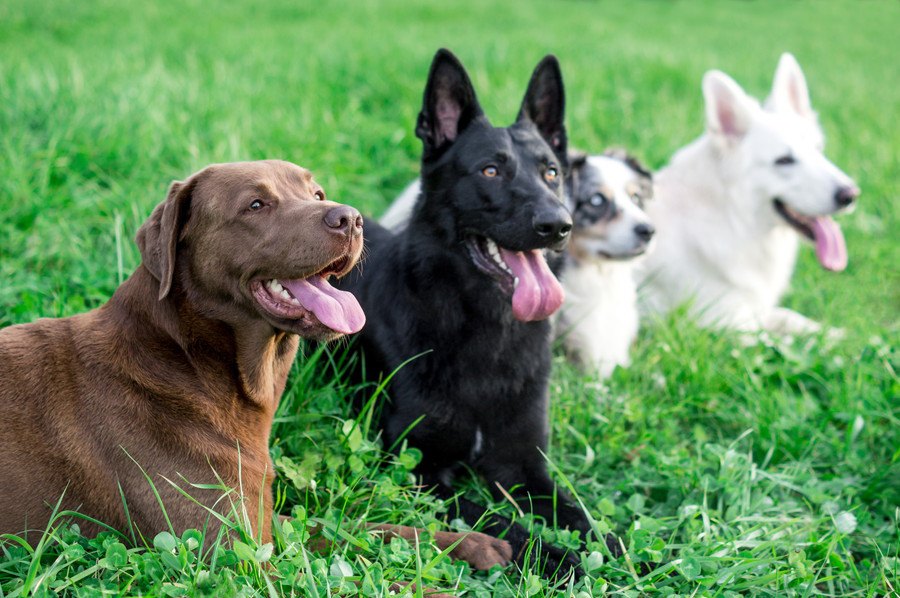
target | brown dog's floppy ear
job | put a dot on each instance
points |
(157, 238)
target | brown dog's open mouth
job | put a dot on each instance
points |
(525, 275)
(312, 301)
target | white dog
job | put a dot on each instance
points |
(732, 206)
(599, 318)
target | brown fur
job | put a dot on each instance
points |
(179, 371)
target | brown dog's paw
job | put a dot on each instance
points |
(480, 550)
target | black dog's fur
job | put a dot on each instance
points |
(481, 380)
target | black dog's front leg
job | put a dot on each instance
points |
(552, 503)
(553, 562)
(533, 490)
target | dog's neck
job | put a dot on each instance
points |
(253, 359)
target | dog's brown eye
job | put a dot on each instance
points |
(551, 174)
(490, 171)
(320, 195)
(786, 160)
(255, 205)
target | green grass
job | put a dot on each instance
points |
(741, 470)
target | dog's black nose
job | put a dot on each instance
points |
(554, 225)
(344, 220)
(644, 231)
(845, 196)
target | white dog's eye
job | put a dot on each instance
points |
(255, 205)
(598, 199)
(786, 160)
(320, 195)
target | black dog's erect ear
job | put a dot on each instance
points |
(449, 103)
(545, 105)
(157, 239)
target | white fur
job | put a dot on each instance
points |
(599, 319)
(398, 213)
(721, 244)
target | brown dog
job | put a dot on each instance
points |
(180, 373)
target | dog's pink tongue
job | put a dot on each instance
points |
(830, 246)
(538, 293)
(339, 310)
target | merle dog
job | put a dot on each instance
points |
(466, 288)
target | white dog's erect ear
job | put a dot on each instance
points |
(789, 91)
(728, 108)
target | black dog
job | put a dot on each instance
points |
(466, 287)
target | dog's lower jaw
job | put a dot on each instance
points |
(536, 293)
(825, 233)
(288, 317)
(485, 254)
(796, 221)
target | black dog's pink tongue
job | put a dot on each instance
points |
(339, 310)
(538, 294)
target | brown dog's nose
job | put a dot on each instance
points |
(344, 220)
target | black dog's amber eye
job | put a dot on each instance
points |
(320, 195)
(551, 174)
(786, 160)
(256, 205)
(490, 171)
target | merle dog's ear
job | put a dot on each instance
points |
(157, 238)
(545, 105)
(630, 161)
(576, 159)
(449, 104)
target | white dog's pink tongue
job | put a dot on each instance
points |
(830, 246)
(339, 310)
(538, 293)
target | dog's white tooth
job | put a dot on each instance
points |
(271, 284)
(516, 282)
(285, 294)
(296, 302)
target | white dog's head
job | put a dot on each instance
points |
(773, 159)
(606, 195)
